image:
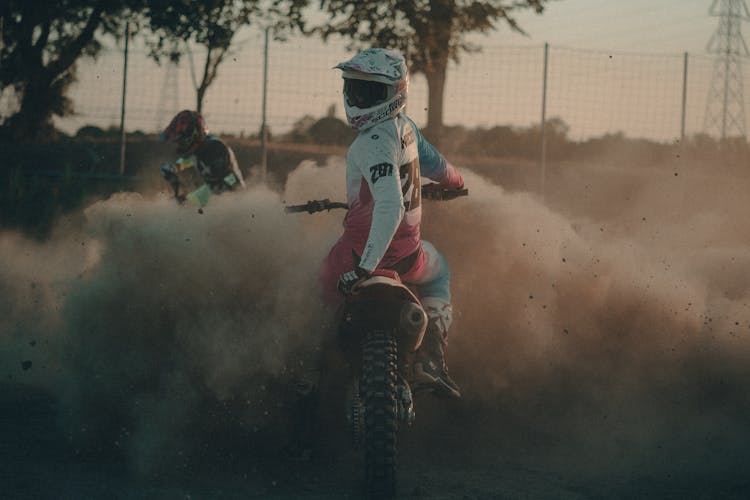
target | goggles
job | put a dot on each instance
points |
(365, 94)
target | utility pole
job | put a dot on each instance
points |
(264, 124)
(725, 108)
(123, 137)
(542, 127)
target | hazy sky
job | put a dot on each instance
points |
(501, 85)
(629, 25)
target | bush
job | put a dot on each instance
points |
(330, 130)
(90, 132)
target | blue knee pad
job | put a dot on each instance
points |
(439, 286)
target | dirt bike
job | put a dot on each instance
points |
(382, 326)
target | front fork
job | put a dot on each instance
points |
(405, 401)
(404, 394)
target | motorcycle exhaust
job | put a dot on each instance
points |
(412, 323)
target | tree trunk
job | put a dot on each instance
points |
(435, 94)
(200, 91)
(33, 121)
(214, 57)
(44, 86)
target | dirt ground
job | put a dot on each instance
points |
(601, 338)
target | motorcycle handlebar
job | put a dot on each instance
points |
(429, 191)
(313, 206)
(435, 192)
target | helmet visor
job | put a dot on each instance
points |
(364, 93)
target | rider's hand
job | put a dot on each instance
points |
(349, 281)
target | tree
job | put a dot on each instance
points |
(212, 24)
(41, 42)
(429, 32)
(209, 23)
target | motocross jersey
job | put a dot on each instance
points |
(383, 169)
(218, 165)
(213, 164)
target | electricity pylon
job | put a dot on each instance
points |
(725, 108)
(170, 91)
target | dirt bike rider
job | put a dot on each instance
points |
(382, 226)
(214, 161)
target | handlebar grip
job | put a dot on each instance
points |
(308, 207)
(313, 206)
(435, 192)
(295, 208)
(450, 194)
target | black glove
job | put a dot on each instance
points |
(349, 281)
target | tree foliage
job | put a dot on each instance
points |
(428, 32)
(209, 23)
(41, 42)
(212, 24)
(43, 39)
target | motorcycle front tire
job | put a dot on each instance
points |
(378, 390)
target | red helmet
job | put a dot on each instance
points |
(187, 129)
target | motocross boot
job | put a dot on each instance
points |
(430, 368)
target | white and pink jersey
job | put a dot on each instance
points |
(384, 166)
(383, 170)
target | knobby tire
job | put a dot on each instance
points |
(379, 372)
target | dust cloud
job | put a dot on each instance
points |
(152, 312)
(603, 328)
(613, 328)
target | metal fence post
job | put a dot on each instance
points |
(122, 106)
(543, 159)
(684, 96)
(264, 125)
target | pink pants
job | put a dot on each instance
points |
(429, 271)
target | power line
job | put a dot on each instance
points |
(725, 107)
(169, 92)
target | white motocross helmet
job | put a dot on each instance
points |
(375, 85)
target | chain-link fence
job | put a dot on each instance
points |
(658, 97)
